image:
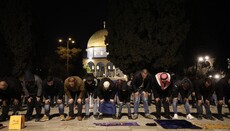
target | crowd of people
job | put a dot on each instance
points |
(106, 95)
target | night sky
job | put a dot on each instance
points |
(79, 20)
(75, 19)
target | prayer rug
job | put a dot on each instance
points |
(177, 124)
(117, 124)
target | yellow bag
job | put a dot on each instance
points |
(17, 122)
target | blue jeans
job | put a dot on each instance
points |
(60, 108)
(94, 107)
(128, 107)
(137, 102)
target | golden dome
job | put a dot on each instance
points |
(98, 39)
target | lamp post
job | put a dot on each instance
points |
(67, 53)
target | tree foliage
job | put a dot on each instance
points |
(62, 52)
(15, 28)
(145, 33)
(73, 54)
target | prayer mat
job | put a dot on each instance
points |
(177, 124)
(117, 124)
(214, 126)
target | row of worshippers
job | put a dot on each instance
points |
(79, 91)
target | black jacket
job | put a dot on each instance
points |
(32, 85)
(57, 89)
(138, 80)
(109, 93)
(13, 91)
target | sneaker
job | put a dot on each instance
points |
(28, 118)
(68, 118)
(148, 116)
(220, 117)
(189, 117)
(44, 118)
(37, 120)
(168, 117)
(86, 117)
(79, 118)
(119, 116)
(114, 117)
(135, 116)
(100, 116)
(62, 117)
(175, 117)
(199, 117)
(210, 118)
(129, 117)
(2, 119)
(158, 117)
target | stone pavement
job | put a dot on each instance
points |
(54, 124)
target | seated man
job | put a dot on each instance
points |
(106, 94)
(10, 90)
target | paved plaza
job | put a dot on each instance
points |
(54, 124)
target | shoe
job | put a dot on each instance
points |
(37, 120)
(175, 117)
(158, 117)
(189, 117)
(119, 116)
(114, 117)
(28, 118)
(135, 116)
(148, 116)
(199, 117)
(210, 117)
(129, 117)
(44, 118)
(2, 119)
(168, 117)
(79, 118)
(95, 116)
(220, 117)
(68, 118)
(100, 117)
(86, 117)
(62, 117)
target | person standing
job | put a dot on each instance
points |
(204, 90)
(91, 84)
(10, 91)
(106, 94)
(32, 88)
(74, 88)
(141, 84)
(183, 87)
(124, 93)
(162, 90)
(53, 88)
(223, 91)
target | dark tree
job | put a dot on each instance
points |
(145, 33)
(15, 28)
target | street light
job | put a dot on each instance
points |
(67, 52)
